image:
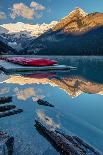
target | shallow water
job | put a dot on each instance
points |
(77, 96)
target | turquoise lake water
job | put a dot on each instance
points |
(77, 97)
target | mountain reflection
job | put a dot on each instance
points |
(74, 86)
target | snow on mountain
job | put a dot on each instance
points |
(3, 30)
(34, 30)
(19, 34)
(75, 34)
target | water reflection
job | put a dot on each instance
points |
(47, 120)
(77, 99)
(4, 91)
(74, 86)
(24, 94)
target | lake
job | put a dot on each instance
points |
(77, 97)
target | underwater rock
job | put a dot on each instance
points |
(7, 107)
(45, 103)
(6, 144)
(65, 144)
(4, 100)
(11, 112)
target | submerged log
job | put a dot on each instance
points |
(4, 100)
(6, 108)
(65, 144)
(6, 144)
(81, 144)
(11, 112)
(45, 103)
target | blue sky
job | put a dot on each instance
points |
(39, 11)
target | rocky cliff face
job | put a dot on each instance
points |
(71, 22)
(5, 49)
(79, 21)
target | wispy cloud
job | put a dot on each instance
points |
(2, 15)
(37, 6)
(28, 12)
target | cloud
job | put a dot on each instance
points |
(36, 98)
(28, 12)
(2, 15)
(4, 90)
(24, 94)
(20, 9)
(37, 6)
(47, 120)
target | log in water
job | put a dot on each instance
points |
(6, 144)
(11, 112)
(4, 100)
(45, 103)
(6, 108)
(65, 144)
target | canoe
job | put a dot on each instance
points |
(31, 61)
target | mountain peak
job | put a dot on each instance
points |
(78, 11)
(72, 21)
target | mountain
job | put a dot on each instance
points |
(78, 33)
(72, 22)
(19, 34)
(17, 40)
(34, 30)
(5, 49)
(3, 30)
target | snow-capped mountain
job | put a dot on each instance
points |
(19, 34)
(78, 33)
(33, 30)
(78, 11)
(5, 48)
(72, 21)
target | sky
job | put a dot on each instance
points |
(43, 11)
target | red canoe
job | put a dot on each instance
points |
(31, 61)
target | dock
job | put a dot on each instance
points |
(11, 67)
